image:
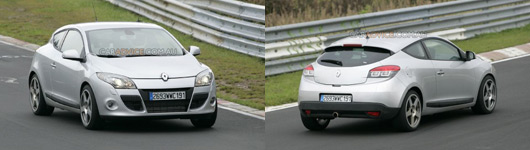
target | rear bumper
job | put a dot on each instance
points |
(346, 110)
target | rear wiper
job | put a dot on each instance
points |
(336, 62)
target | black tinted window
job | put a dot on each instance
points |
(415, 50)
(73, 41)
(57, 39)
(440, 50)
(352, 56)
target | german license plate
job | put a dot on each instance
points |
(156, 96)
(335, 98)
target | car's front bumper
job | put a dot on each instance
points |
(143, 108)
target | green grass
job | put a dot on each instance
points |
(240, 78)
(493, 41)
(281, 89)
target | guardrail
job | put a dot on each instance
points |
(243, 33)
(291, 47)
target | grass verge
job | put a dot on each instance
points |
(240, 78)
(282, 89)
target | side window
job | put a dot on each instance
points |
(440, 50)
(57, 39)
(416, 50)
(73, 41)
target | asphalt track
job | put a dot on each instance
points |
(21, 130)
(508, 127)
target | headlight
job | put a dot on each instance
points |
(117, 81)
(204, 78)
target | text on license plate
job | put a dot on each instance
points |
(335, 98)
(154, 96)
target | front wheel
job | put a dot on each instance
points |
(89, 110)
(315, 124)
(409, 116)
(487, 96)
(207, 122)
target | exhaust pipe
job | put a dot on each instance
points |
(335, 114)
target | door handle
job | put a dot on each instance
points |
(53, 65)
(440, 72)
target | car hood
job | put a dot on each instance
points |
(150, 66)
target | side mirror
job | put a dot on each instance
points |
(194, 50)
(470, 55)
(72, 55)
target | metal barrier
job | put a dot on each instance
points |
(235, 34)
(291, 47)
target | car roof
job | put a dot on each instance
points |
(109, 25)
(393, 44)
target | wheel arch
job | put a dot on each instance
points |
(31, 74)
(417, 90)
(83, 85)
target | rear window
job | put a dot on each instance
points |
(352, 56)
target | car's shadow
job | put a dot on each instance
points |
(376, 127)
(132, 125)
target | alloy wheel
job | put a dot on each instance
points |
(34, 90)
(489, 92)
(86, 107)
(413, 110)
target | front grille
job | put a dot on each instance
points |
(132, 102)
(166, 105)
(198, 100)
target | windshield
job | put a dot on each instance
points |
(129, 42)
(352, 56)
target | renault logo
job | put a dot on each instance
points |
(338, 73)
(164, 76)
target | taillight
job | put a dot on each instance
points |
(309, 70)
(384, 71)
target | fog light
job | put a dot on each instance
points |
(111, 105)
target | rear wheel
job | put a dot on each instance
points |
(36, 99)
(89, 110)
(207, 122)
(487, 96)
(409, 116)
(315, 124)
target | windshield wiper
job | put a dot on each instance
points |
(140, 55)
(109, 56)
(336, 62)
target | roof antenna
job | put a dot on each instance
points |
(94, 9)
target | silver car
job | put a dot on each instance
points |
(394, 78)
(111, 70)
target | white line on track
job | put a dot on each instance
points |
(241, 112)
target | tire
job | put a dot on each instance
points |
(487, 96)
(409, 116)
(89, 110)
(207, 122)
(36, 98)
(314, 124)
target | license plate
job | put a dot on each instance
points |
(336, 98)
(156, 96)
